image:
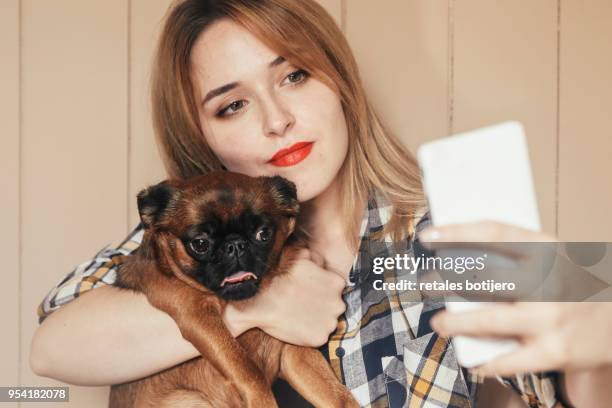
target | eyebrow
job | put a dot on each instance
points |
(228, 87)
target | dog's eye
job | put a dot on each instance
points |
(199, 245)
(263, 234)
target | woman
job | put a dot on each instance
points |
(235, 83)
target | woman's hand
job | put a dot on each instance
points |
(301, 307)
(552, 335)
(481, 231)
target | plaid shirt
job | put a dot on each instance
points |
(384, 349)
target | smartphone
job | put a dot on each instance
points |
(484, 174)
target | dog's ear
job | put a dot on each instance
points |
(285, 194)
(153, 201)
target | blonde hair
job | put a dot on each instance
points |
(307, 36)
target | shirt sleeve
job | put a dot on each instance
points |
(97, 272)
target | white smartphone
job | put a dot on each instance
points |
(480, 175)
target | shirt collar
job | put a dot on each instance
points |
(376, 215)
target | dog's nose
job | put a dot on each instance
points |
(235, 247)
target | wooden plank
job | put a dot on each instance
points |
(333, 7)
(504, 67)
(74, 148)
(585, 191)
(402, 50)
(145, 164)
(9, 183)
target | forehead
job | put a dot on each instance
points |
(225, 201)
(223, 210)
(227, 52)
(244, 221)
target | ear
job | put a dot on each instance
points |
(153, 201)
(285, 194)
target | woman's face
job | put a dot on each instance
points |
(263, 116)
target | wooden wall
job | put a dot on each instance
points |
(77, 142)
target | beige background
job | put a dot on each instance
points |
(76, 142)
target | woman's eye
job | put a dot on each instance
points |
(232, 108)
(263, 234)
(199, 245)
(297, 76)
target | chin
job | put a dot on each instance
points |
(314, 186)
(311, 184)
(239, 291)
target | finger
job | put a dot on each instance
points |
(335, 282)
(512, 251)
(340, 308)
(498, 320)
(482, 231)
(528, 358)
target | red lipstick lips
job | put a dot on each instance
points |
(291, 155)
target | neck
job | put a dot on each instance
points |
(319, 215)
(326, 225)
(323, 219)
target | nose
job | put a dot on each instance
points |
(277, 117)
(235, 247)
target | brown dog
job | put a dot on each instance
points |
(209, 240)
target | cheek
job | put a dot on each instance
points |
(233, 158)
(322, 109)
(233, 147)
(337, 138)
(333, 134)
(338, 124)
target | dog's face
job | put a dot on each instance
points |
(224, 230)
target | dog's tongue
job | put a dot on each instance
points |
(238, 277)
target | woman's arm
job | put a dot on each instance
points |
(110, 336)
(107, 336)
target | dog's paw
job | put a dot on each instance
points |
(348, 401)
